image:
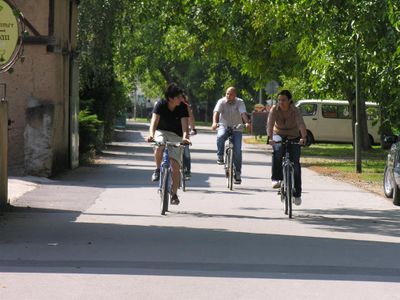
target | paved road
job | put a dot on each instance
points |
(96, 233)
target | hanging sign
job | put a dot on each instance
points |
(9, 34)
(272, 87)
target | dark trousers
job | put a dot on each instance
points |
(294, 154)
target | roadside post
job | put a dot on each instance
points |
(3, 149)
(272, 88)
(357, 128)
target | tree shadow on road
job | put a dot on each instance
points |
(379, 222)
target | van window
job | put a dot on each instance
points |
(329, 111)
(344, 112)
(372, 113)
(308, 109)
(336, 111)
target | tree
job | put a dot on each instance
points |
(97, 73)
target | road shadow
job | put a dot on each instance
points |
(57, 241)
(383, 223)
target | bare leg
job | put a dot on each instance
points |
(158, 153)
(175, 176)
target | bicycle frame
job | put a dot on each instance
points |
(287, 185)
(229, 155)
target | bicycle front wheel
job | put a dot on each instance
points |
(289, 190)
(164, 193)
(230, 168)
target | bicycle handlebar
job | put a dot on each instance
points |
(174, 144)
(285, 141)
(237, 126)
(288, 142)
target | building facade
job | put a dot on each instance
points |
(42, 91)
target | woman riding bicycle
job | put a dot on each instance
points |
(285, 120)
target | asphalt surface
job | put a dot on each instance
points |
(96, 233)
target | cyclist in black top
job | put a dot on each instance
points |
(169, 122)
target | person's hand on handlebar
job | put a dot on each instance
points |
(186, 141)
(149, 139)
(214, 126)
(303, 141)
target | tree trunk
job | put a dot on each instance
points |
(365, 141)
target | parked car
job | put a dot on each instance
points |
(330, 120)
(391, 178)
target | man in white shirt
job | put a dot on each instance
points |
(230, 111)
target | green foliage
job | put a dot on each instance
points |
(207, 45)
(99, 82)
(90, 133)
(341, 151)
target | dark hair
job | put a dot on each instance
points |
(172, 91)
(286, 93)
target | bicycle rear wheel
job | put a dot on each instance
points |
(164, 193)
(183, 180)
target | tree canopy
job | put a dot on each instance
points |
(207, 45)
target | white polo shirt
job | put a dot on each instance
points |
(230, 112)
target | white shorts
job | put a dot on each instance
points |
(168, 136)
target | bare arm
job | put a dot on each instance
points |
(215, 120)
(245, 118)
(185, 128)
(192, 123)
(302, 127)
(155, 119)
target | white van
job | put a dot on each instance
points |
(330, 120)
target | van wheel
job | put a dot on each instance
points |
(310, 138)
(396, 195)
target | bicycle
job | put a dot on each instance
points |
(287, 185)
(164, 187)
(228, 155)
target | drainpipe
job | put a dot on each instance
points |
(52, 43)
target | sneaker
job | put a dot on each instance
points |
(238, 179)
(220, 160)
(276, 184)
(297, 200)
(156, 175)
(174, 199)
